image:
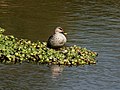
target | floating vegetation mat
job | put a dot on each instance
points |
(14, 50)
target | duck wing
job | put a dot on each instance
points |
(48, 42)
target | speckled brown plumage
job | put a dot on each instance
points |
(58, 39)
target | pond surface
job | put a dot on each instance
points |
(94, 24)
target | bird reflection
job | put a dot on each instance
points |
(56, 70)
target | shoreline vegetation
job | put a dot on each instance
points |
(14, 50)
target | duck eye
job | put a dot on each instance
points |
(60, 28)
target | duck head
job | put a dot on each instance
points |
(60, 30)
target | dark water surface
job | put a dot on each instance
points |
(94, 24)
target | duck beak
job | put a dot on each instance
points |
(65, 33)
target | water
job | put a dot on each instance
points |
(94, 24)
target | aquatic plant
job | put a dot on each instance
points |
(14, 50)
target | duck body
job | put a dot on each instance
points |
(57, 40)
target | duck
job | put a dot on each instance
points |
(58, 39)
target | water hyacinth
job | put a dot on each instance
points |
(14, 50)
